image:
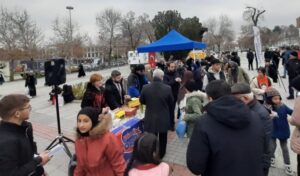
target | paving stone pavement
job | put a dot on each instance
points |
(43, 117)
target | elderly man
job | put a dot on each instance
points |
(244, 93)
(158, 98)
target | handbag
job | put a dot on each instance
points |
(181, 127)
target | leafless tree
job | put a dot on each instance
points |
(109, 26)
(253, 14)
(147, 28)
(19, 36)
(219, 32)
(67, 46)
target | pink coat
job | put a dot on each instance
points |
(295, 120)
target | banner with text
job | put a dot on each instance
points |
(257, 44)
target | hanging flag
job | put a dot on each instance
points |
(257, 44)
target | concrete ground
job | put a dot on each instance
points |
(43, 117)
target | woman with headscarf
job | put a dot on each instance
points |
(98, 151)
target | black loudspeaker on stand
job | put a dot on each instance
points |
(55, 74)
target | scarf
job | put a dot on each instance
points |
(263, 81)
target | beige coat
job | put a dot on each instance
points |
(295, 120)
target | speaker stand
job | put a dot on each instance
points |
(60, 139)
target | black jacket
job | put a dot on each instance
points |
(250, 55)
(112, 96)
(268, 55)
(17, 150)
(169, 79)
(267, 122)
(271, 71)
(81, 71)
(293, 68)
(227, 141)
(159, 100)
(93, 97)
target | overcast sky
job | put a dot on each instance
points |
(44, 12)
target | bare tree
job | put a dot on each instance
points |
(131, 29)
(65, 45)
(147, 28)
(19, 36)
(109, 26)
(219, 32)
(253, 14)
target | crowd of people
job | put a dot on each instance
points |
(233, 121)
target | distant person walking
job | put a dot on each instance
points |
(81, 72)
(31, 82)
(250, 57)
(1, 78)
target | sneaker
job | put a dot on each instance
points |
(288, 170)
(272, 162)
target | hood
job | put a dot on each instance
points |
(229, 111)
(198, 93)
(102, 127)
(211, 71)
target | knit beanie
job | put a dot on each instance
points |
(271, 92)
(92, 113)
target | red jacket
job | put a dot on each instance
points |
(99, 154)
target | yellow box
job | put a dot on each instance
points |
(120, 114)
(134, 103)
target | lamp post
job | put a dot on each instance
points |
(70, 8)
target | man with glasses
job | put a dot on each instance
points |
(17, 148)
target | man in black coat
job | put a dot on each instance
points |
(268, 55)
(228, 139)
(114, 90)
(250, 57)
(293, 69)
(159, 100)
(244, 93)
(17, 147)
(172, 78)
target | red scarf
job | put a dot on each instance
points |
(263, 81)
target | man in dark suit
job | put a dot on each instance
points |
(158, 99)
(114, 90)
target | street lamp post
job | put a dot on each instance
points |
(71, 35)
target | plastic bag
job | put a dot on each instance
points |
(181, 127)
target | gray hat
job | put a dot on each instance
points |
(240, 88)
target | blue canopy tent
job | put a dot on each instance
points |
(173, 41)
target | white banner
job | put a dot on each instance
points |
(257, 44)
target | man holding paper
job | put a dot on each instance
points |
(17, 148)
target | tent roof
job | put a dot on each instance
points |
(173, 41)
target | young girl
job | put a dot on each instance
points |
(97, 150)
(145, 158)
(281, 129)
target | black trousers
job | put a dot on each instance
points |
(266, 171)
(250, 64)
(291, 90)
(163, 139)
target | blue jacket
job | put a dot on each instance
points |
(281, 128)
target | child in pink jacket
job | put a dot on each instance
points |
(145, 158)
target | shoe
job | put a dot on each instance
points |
(290, 98)
(272, 162)
(288, 170)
